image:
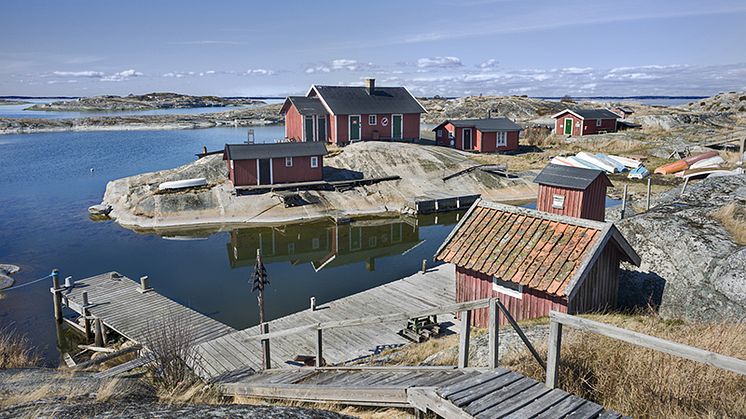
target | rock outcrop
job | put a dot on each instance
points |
(692, 267)
(141, 103)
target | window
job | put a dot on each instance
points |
(502, 139)
(598, 122)
(315, 243)
(372, 241)
(288, 162)
(439, 133)
(314, 161)
(508, 288)
(372, 120)
(558, 201)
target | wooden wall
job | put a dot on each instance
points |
(600, 289)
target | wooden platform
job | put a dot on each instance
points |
(116, 300)
(239, 351)
(321, 185)
(447, 391)
(441, 202)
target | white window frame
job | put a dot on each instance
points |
(372, 120)
(599, 122)
(502, 139)
(314, 162)
(558, 201)
(288, 162)
(315, 243)
(515, 293)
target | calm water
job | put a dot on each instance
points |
(19, 111)
(46, 187)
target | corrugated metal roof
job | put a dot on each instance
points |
(545, 252)
(273, 150)
(485, 124)
(569, 177)
(351, 100)
(306, 105)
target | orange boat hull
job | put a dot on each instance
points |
(674, 167)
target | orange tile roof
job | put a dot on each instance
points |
(545, 252)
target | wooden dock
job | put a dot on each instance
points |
(122, 306)
(241, 350)
(318, 185)
(440, 202)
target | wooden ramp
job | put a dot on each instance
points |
(119, 303)
(241, 350)
(446, 391)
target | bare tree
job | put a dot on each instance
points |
(171, 344)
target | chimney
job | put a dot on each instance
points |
(370, 85)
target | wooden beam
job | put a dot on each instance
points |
(651, 342)
(522, 335)
(108, 357)
(325, 393)
(319, 349)
(463, 341)
(553, 354)
(494, 334)
(426, 398)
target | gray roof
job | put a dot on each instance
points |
(273, 150)
(348, 100)
(569, 177)
(595, 113)
(305, 105)
(485, 124)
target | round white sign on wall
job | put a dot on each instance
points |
(384, 121)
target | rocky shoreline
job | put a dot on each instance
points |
(148, 101)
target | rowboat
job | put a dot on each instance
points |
(708, 162)
(674, 167)
(704, 172)
(625, 161)
(618, 167)
(693, 159)
(638, 173)
(181, 184)
(563, 161)
(595, 161)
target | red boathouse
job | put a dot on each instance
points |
(487, 135)
(344, 114)
(579, 122)
(267, 164)
(572, 191)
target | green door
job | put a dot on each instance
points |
(308, 128)
(568, 126)
(322, 129)
(396, 127)
(354, 128)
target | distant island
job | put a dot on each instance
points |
(148, 101)
(12, 102)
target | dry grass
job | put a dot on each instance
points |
(357, 411)
(15, 350)
(645, 383)
(733, 217)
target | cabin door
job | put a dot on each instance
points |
(396, 127)
(265, 172)
(467, 139)
(354, 127)
(568, 126)
(308, 128)
(322, 129)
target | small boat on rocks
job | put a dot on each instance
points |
(182, 184)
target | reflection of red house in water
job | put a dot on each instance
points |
(343, 114)
(486, 135)
(267, 164)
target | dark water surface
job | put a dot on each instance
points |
(46, 186)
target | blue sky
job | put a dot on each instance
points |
(446, 47)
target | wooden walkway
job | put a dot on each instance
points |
(241, 350)
(117, 301)
(440, 202)
(449, 392)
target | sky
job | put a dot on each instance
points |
(438, 47)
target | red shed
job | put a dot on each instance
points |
(572, 191)
(485, 135)
(266, 164)
(580, 122)
(534, 261)
(344, 114)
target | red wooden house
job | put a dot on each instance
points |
(581, 122)
(266, 164)
(343, 114)
(572, 191)
(485, 135)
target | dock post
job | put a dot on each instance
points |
(647, 201)
(463, 343)
(144, 287)
(99, 328)
(87, 318)
(683, 188)
(494, 330)
(424, 266)
(624, 203)
(319, 349)
(57, 296)
(553, 353)
(313, 303)
(265, 348)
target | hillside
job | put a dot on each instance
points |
(147, 101)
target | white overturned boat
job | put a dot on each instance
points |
(595, 161)
(618, 167)
(715, 161)
(625, 161)
(182, 184)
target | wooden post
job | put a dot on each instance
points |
(683, 188)
(463, 345)
(319, 349)
(424, 266)
(57, 296)
(99, 328)
(494, 329)
(313, 303)
(265, 348)
(144, 286)
(87, 318)
(647, 201)
(624, 203)
(553, 353)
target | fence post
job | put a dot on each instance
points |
(647, 203)
(87, 318)
(553, 353)
(319, 349)
(265, 348)
(683, 188)
(57, 296)
(494, 337)
(313, 303)
(624, 203)
(463, 346)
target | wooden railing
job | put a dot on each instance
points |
(495, 308)
(556, 320)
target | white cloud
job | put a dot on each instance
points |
(439, 62)
(576, 70)
(339, 64)
(61, 81)
(93, 74)
(491, 63)
(122, 75)
(259, 72)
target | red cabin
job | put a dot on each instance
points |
(580, 122)
(535, 261)
(267, 164)
(572, 191)
(343, 114)
(486, 135)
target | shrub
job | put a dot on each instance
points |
(170, 342)
(15, 350)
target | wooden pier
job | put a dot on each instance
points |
(440, 202)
